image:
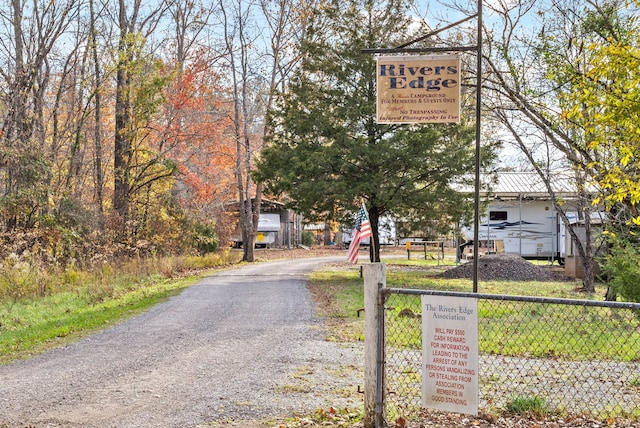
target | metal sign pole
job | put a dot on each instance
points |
(478, 49)
(476, 216)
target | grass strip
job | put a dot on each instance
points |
(505, 328)
(30, 327)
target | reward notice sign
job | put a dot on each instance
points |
(450, 354)
(418, 89)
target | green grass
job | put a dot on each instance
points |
(340, 299)
(528, 406)
(78, 303)
(30, 327)
(85, 303)
(505, 328)
(547, 330)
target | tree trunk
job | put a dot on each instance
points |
(255, 218)
(327, 233)
(122, 145)
(97, 134)
(248, 232)
(588, 261)
(374, 248)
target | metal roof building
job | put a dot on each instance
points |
(528, 185)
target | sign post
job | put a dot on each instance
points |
(450, 354)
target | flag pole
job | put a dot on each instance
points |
(373, 248)
(372, 240)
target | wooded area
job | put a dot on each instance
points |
(128, 128)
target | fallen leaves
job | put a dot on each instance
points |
(330, 417)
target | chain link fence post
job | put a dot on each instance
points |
(374, 280)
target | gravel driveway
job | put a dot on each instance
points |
(240, 348)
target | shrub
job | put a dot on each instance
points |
(528, 405)
(622, 267)
(21, 278)
(206, 238)
(308, 239)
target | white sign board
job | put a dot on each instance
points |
(269, 222)
(450, 354)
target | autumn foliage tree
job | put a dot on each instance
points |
(114, 131)
(131, 127)
(600, 104)
(196, 118)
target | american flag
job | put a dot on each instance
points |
(361, 231)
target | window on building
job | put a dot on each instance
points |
(497, 215)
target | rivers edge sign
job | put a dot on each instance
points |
(418, 89)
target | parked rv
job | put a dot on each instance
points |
(268, 228)
(531, 229)
(266, 233)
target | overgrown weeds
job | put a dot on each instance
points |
(41, 308)
(21, 277)
(525, 405)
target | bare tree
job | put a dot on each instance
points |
(258, 60)
(524, 97)
(189, 20)
(32, 31)
(97, 101)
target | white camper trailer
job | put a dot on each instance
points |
(268, 228)
(530, 229)
(521, 219)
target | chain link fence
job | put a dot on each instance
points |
(572, 356)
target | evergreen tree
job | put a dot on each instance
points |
(327, 153)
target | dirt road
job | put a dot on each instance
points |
(240, 348)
